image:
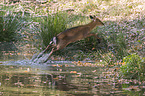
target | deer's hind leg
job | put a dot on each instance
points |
(53, 50)
(40, 54)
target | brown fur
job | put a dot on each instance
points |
(74, 34)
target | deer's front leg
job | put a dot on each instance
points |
(95, 35)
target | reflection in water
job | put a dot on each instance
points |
(25, 78)
(17, 78)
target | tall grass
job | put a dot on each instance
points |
(10, 25)
(122, 35)
(117, 42)
(51, 25)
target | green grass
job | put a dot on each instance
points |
(134, 67)
(10, 25)
(51, 25)
(122, 35)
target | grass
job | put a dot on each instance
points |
(52, 25)
(134, 67)
(122, 35)
(10, 26)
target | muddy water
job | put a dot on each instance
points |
(25, 78)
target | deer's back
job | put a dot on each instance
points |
(73, 32)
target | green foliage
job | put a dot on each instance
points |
(122, 34)
(52, 25)
(134, 67)
(10, 24)
(117, 42)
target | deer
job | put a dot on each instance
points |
(72, 35)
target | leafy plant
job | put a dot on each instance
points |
(134, 66)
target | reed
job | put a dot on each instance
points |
(51, 25)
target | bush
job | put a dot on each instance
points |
(134, 67)
(10, 24)
(52, 25)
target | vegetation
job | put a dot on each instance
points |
(51, 25)
(10, 25)
(134, 67)
(122, 36)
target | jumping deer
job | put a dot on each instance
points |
(72, 35)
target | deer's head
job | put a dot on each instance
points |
(96, 20)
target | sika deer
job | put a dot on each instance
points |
(72, 35)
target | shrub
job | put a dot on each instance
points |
(52, 25)
(10, 24)
(134, 67)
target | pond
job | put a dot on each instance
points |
(65, 78)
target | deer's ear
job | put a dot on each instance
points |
(91, 17)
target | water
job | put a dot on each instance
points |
(25, 78)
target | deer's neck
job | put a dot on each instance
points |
(91, 25)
